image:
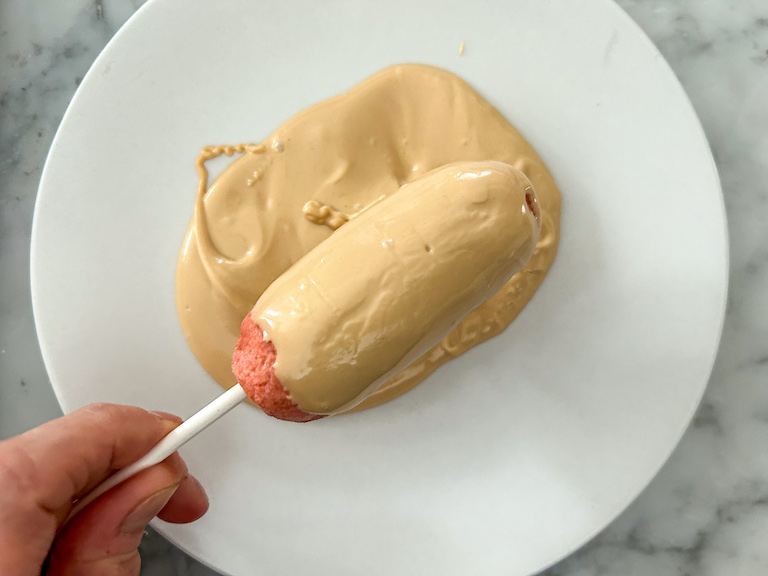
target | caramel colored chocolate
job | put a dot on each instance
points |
(392, 282)
(326, 165)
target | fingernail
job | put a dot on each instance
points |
(137, 520)
(170, 421)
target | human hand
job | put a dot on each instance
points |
(42, 471)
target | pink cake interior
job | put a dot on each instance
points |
(253, 365)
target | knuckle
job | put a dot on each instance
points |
(17, 470)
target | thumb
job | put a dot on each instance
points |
(103, 539)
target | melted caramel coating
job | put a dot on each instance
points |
(340, 157)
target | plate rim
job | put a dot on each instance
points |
(161, 528)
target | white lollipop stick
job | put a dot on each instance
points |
(177, 437)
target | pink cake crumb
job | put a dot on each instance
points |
(253, 365)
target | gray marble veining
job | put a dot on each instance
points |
(707, 511)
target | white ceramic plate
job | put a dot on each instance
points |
(505, 459)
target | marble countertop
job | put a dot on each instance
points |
(707, 511)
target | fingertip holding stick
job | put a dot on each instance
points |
(176, 438)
